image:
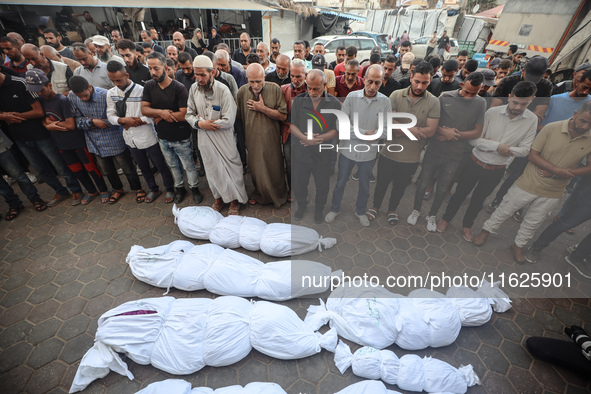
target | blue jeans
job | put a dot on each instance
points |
(179, 155)
(345, 168)
(10, 165)
(40, 153)
(575, 210)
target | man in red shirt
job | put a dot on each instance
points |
(350, 81)
(16, 61)
(351, 53)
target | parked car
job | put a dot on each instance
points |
(420, 45)
(364, 46)
(381, 39)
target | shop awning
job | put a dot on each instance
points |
(346, 15)
(198, 4)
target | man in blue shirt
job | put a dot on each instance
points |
(562, 106)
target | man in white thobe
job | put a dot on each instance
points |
(211, 110)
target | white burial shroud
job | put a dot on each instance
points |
(275, 239)
(189, 267)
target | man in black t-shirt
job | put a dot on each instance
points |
(22, 112)
(138, 73)
(447, 81)
(280, 75)
(390, 84)
(442, 43)
(165, 100)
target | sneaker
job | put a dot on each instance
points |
(76, 199)
(571, 249)
(431, 224)
(9, 179)
(330, 217)
(120, 171)
(355, 176)
(318, 216)
(299, 215)
(583, 266)
(363, 220)
(518, 216)
(372, 178)
(492, 206)
(531, 255)
(57, 199)
(31, 177)
(413, 217)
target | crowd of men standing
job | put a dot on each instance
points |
(99, 109)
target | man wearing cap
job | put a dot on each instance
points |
(517, 63)
(447, 82)
(404, 70)
(470, 66)
(494, 63)
(57, 73)
(54, 39)
(263, 52)
(165, 100)
(211, 110)
(93, 70)
(319, 63)
(349, 82)
(390, 84)
(17, 61)
(146, 36)
(555, 154)
(103, 50)
(489, 81)
(137, 71)
(280, 75)
(179, 41)
(567, 86)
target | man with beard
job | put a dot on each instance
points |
(93, 70)
(224, 63)
(185, 74)
(308, 159)
(147, 38)
(341, 55)
(241, 53)
(165, 100)
(53, 55)
(262, 108)
(138, 132)
(221, 76)
(138, 73)
(280, 75)
(211, 109)
(179, 41)
(275, 48)
(555, 154)
(116, 36)
(103, 50)
(390, 84)
(349, 82)
(263, 52)
(567, 86)
(17, 61)
(508, 131)
(54, 39)
(57, 73)
(398, 167)
(368, 105)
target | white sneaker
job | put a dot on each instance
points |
(431, 224)
(363, 220)
(9, 179)
(413, 217)
(31, 177)
(329, 218)
(120, 171)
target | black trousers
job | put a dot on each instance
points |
(516, 168)
(399, 174)
(482, 181)
(301, 172)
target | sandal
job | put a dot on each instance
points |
(393, 218)
(152, 196)
(140, 196)
(40, 205)
(115, 196)
(105, 197)
(371, 214)
(88, 197)
(14, 212)
(234, 208)
(169, 198)
(252, 201)
(218, 205)
(427, 196)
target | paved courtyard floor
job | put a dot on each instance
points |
(62, 268)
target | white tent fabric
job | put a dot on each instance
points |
(408, 372)
(183, 336)
(377, 318)
(178, 386)
(276, 239)
(189, 267)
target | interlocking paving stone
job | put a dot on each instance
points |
(43, 311)
(42, 293)
(15, 380)
(74, 327)
(45, 353)
(94, 288)
(43, 331)
(16, 296)
(14, 334)
(75, 348)
(46, 378)
(14, 355)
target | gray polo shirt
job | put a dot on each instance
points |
(97, 77)
(369, 111)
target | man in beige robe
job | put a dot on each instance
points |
(262, 108)
(211, 110)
